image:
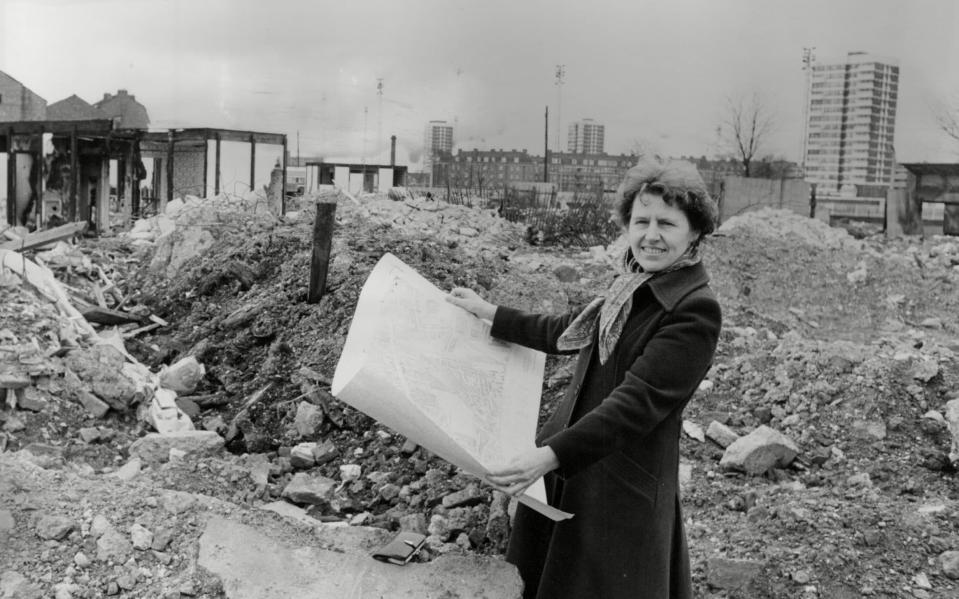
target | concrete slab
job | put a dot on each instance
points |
(254, 565)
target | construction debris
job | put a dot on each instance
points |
(840, 371)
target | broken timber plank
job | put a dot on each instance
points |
(143, 329)
(101, 315)
(101, 300)
(233, 429)
(40, 238)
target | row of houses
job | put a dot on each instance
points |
(569, 171)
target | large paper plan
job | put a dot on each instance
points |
(430, 371)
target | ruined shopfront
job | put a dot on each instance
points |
(86, 170)
(60, 171)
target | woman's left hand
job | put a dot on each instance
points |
(523, 470)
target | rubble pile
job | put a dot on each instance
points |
(819, 455)
(775, 223)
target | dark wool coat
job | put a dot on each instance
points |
(616, 434)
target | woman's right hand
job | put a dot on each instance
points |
(470, 301)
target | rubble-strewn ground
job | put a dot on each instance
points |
(846, 346)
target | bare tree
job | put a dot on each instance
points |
(947, 117)
(642, 149)
(747, 125)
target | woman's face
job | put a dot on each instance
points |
(658, 233)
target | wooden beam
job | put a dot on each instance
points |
(169, 168)
(71, 208)
(107, 316)
(206, 166)
(216, 171)
(252, 161)
(41, 238)
(950, 219)
(103, 197)
(283, 193)
(11, 180)
(322, 242)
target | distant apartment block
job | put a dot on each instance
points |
(437, 143)
(485, 169)
(585, 137)
(852, 121)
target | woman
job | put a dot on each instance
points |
(610, 452)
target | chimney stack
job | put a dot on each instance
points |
(392, 150)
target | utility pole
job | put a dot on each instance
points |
(808, 59)
(365, 115)
(546, 148)
(560, 80)
(379, 129)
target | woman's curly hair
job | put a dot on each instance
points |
(678, 183)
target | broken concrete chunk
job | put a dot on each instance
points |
(141, 536)
(308, 419)
(128, 471)
(113, 546)
(693, 431)
(925, 370)
(307, 488)
(252, 565)
(155, 448)
(952, 422)
(760, 450)
(732, 574)
(165, 415)
(301, 456)
(350, 472)
(470, 496)
(721, 434)
(182, 376)
(92, 404)
(53, 527)
(15, 380)
(324, 452)
(949, 560)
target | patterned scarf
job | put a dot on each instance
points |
(610, 312)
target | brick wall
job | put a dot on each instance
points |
(741, 194)
(17, 103)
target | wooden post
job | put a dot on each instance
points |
(169, 168)
(812, 200)
(41, 177)
(950, 219)
(72, 210)
(546, 147)
(283, 190)
(216, 168)
(206, 164)
(322, 242)
(11, 181)
(252, 161)
(103, 196)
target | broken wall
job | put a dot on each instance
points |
(741, 194)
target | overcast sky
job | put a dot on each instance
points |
(657, 74)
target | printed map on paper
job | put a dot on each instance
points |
(430, 371)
